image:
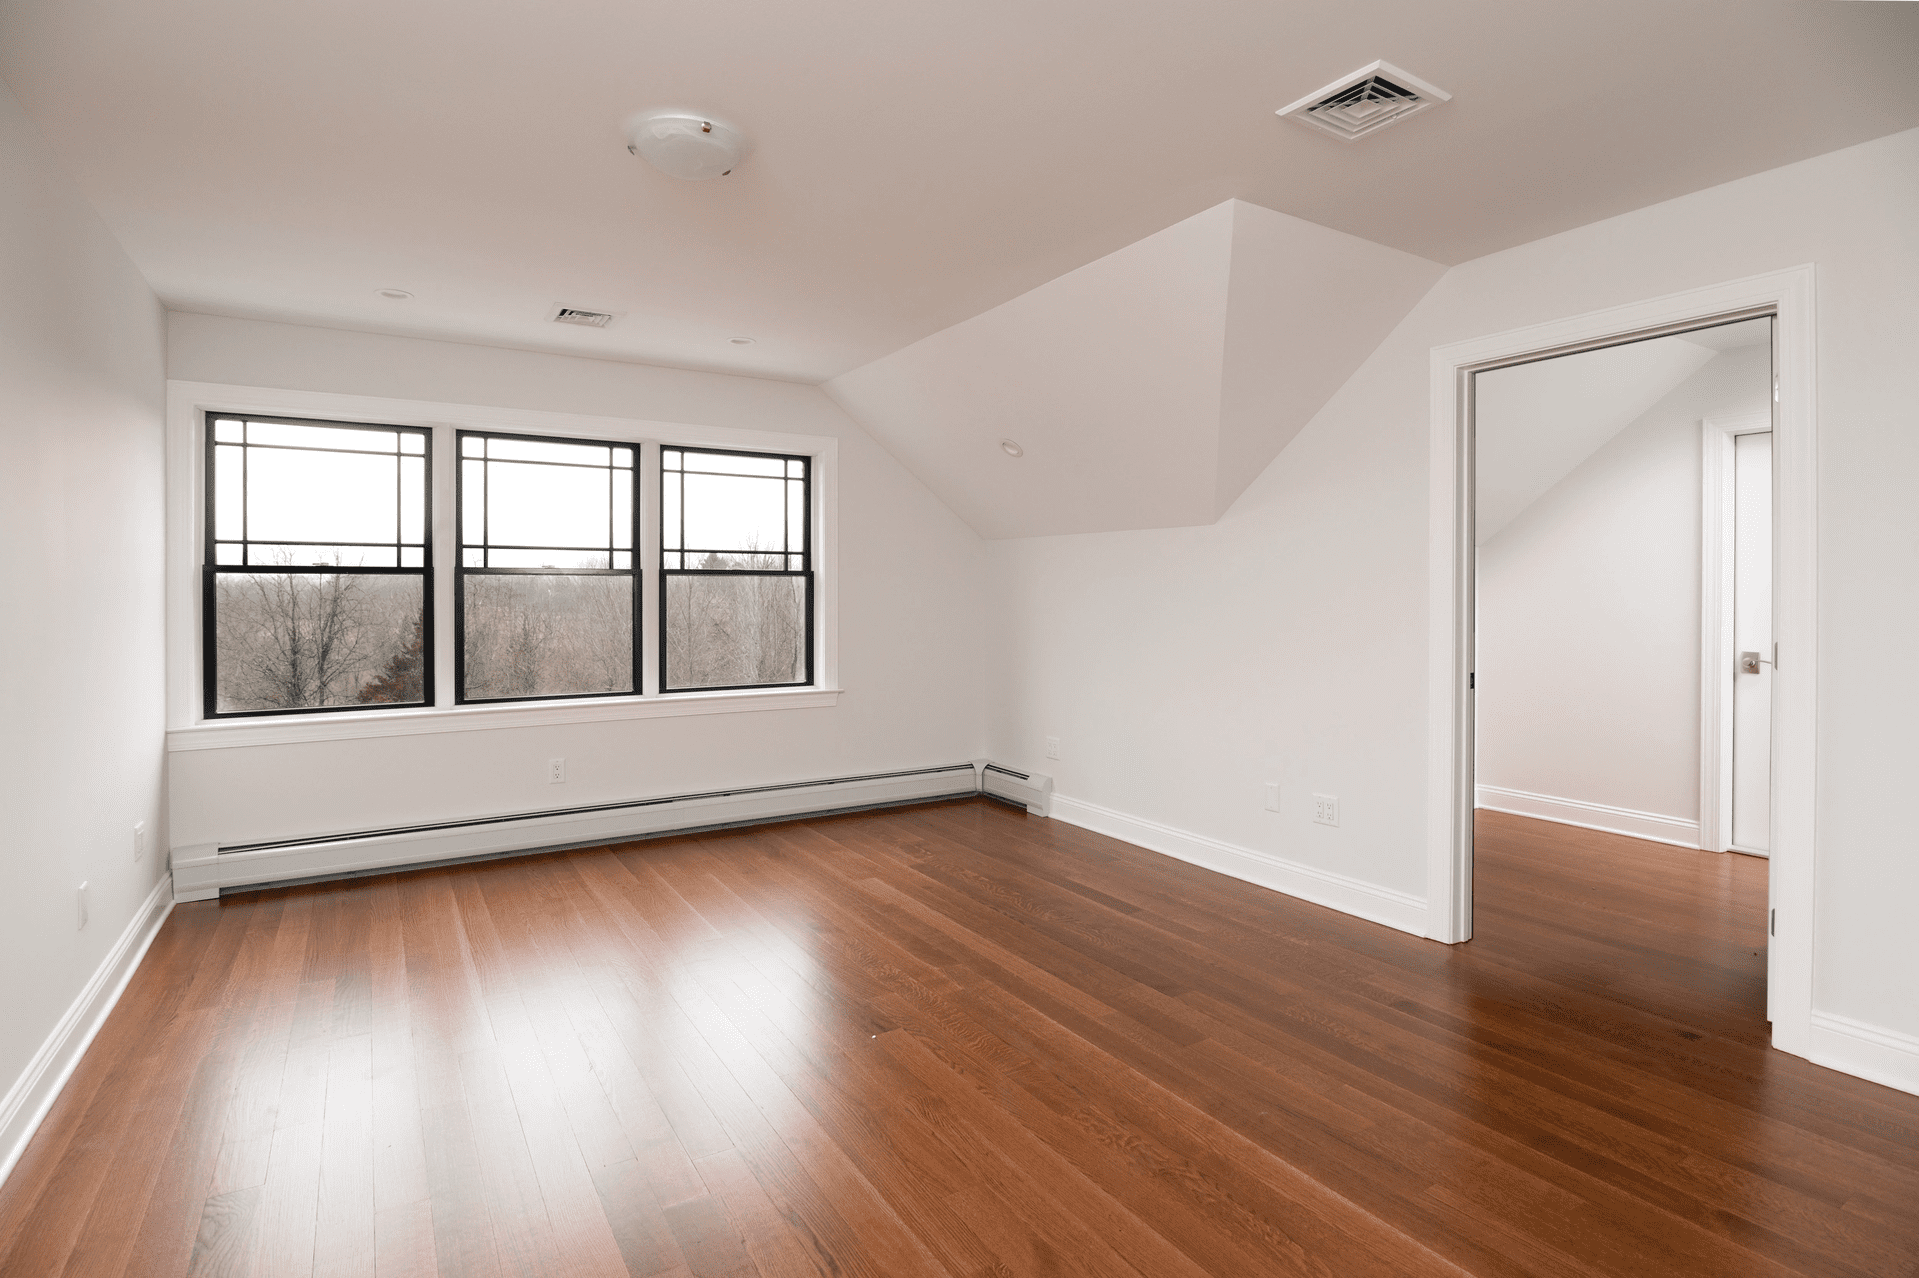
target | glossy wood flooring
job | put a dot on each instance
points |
(957, 1040)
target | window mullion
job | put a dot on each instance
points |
(646, 561)
(444, 478)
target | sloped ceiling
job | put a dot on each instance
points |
(1534, 423)
(1147, 388)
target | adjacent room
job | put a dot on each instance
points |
(970, 640)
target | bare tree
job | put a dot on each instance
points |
(543, 634)
(294, 640)
(725, 630)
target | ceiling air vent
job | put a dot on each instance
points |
(1365, 102)
(574, 315)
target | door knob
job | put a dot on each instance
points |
(1749, 662)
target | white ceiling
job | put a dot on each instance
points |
(913, 164)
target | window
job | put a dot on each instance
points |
(579, 569)
(549, 595)
(317, 579)
(736, 574)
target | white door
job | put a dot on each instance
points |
(1752, 645)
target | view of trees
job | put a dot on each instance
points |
(305, 640)
(301, 640)
(547, 634)
(725, 631)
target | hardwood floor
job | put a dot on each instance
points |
(957, 1040)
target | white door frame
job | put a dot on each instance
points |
(1788, 296)
(1716, 435)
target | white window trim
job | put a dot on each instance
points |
(188, 729)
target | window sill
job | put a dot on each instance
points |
(226, 734)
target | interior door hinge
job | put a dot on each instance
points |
(1772, 922)
(1472, 678)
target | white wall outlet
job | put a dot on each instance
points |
(139, 839)
(556, 771)
(1272, 796)
(82, 894)
(1052, 747)
(1326, 809)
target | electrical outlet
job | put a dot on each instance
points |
(139, 839)
(1272, 796)
(1052, 747)
(556, 771)
(82, 894)
(1326, 809)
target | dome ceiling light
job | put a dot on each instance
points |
(684, 145)
(1011, 449)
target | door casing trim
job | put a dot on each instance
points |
(1716, 435)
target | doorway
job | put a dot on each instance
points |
(1592, 498)
(1786, 296)
(1593, 603)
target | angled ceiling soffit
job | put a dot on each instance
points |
(1146, 389)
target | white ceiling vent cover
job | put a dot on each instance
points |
(574, 315)
(1365, 102)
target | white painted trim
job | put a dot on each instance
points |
(185, 550)
(1401, 910)
(200, 871)
(1716, 435)
(1865, 1051)
(33, 1093)
(1789, 296)
(1590, 816)
(226, 734)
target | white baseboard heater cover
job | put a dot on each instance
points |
(1029, 790)
(200, 872)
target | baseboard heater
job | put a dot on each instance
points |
(202, 872)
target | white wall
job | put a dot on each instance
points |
(1588, 661)
(1182, 668)
(82, 411)
(910, 627)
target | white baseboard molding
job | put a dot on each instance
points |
(1357, 897)
(33, 1093)
(1865, 1051)
(1589, 816)
(199, 872)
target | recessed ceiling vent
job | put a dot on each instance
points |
(1365, 102)
(573, 315)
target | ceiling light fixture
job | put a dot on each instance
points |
(740, 341)
(1011, 449)
(687, 146)
(395, 294)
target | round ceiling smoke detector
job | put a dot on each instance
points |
(395, 294)
(684, 145)
(1011, 449)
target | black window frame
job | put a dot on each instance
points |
(461, 571)
(211, 569)
(806, 551)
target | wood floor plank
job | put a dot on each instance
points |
(960, 1040)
